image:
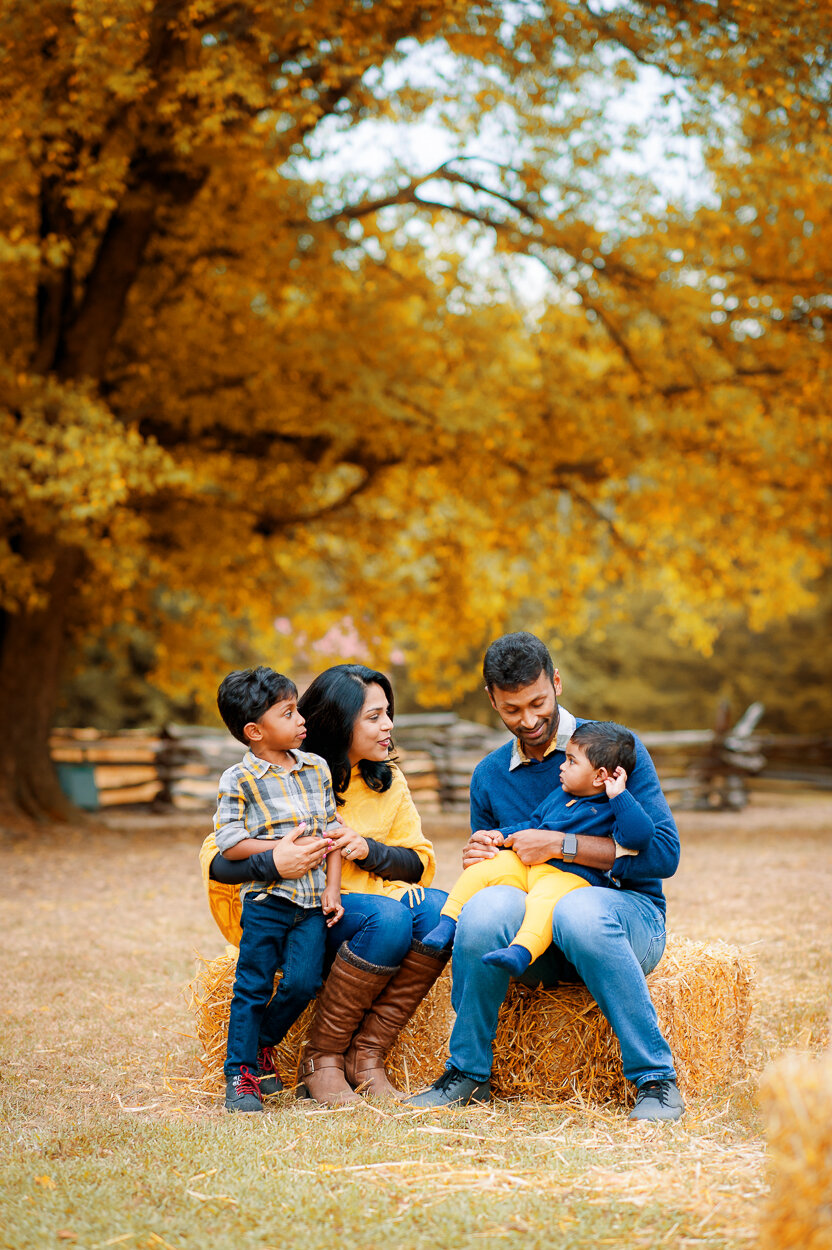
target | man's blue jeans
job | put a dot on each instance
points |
(276, 934)
(608, 939)
(381, 929)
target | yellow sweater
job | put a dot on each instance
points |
(390, 818)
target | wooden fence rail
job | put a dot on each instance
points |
(438, 752)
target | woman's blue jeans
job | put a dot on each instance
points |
(381, 929)
(607, 939)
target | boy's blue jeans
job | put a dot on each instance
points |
(276, 934)
(608, 939)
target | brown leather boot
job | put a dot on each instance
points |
(388, 1015)
(347, 993)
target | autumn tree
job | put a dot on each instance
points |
(230, 393)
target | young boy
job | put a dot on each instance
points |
(276, 789)
(593, 800)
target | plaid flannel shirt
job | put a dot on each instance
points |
(261, 800)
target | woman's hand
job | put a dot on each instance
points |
(331, 905)
(351, 844)
(484, 844)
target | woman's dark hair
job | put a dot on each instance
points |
(330, 706)
(247, 694)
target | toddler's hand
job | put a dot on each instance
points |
(616, 784)
(331, 906)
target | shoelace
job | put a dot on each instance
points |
(246, 1082)
(655, 1089)
(265, 1062)
(448, 1078)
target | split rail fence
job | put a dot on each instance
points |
(179, 767)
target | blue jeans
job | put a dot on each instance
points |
(607, 939)
(276, 934)
(381, 929)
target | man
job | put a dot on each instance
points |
(608, 938)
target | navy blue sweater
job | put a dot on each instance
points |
(503, 799)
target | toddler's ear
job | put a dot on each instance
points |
(253, 731)
(601, 775)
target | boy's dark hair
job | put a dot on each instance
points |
(331, 705)
(516, 660)
(606, 745)
(247, 694)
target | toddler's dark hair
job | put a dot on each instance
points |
(247, 694)
(606, 745)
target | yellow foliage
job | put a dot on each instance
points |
(242, 396)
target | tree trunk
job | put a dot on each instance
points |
(32, 650)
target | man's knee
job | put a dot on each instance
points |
(490, 919)
(582, 918)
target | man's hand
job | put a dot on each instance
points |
(484, 844)
(331, 905)
(296, 854)
(535, 846)
(615, 783)
(351, 844)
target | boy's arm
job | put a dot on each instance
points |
(632, 828)
(331, 904)
(230, 817)
(660, 857)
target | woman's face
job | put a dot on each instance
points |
(371, 733)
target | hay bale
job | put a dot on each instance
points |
(552, 1044)
(419, 1054)
(796, 1098)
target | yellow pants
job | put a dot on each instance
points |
(544, 885)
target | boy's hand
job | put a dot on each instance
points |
(293, 858)
(331, 905)
(484, 844)
(615, 784)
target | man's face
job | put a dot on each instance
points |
(530, 713)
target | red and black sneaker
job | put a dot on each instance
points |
(270, 1082)
(242, 1092)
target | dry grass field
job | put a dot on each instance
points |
(107, 1142)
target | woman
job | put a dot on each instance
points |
(381, 971)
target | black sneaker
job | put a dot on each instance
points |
(268, 1080)
(452, 1089)
(658, 1100)
(242, 1092)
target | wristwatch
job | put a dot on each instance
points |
(569, 847)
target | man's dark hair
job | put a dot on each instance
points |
(516, 660)
(331, 705)
(247, 694)
(606, 745)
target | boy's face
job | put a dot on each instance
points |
(279, 729)
(577, 775)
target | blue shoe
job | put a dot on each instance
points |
(452, 1089)
(267, 1078)
(242, 1092)
(658, 1100)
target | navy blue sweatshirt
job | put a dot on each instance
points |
(508, 799)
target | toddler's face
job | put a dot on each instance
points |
(577, 775)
